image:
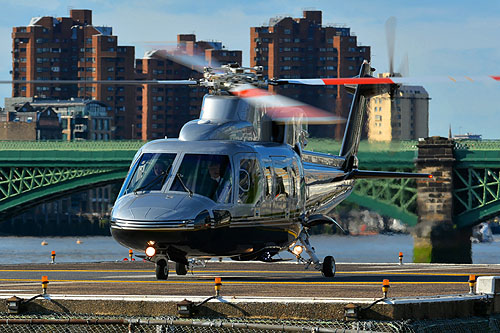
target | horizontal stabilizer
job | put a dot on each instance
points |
(318, 219)
(367, 174)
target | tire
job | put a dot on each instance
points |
(328, 267)
(180, 269)
(161, 269)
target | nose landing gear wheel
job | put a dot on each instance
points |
(180, 269)
(328, 267)
(161, 269)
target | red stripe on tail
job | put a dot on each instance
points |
(358, 80)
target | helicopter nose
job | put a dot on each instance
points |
(159, 207)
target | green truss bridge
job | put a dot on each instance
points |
(33, 172)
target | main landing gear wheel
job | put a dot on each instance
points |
(180, 269)
(162, 269)
(328, 267)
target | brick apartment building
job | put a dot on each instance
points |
(163, 109)
(72, 48)
(304, 48)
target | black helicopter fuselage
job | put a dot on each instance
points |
(238, 182)
(255, 209)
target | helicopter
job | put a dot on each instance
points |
(238, 182)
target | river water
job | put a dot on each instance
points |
(374, 249)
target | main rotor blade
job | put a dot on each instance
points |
(390, 34)
(195, 62)
(389, 80)
(404, 66)
(284, 109)
(104, 82)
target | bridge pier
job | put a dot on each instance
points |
(436, 237)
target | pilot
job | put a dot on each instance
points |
(159, 168)
(218, 184)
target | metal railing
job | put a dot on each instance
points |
(80, 323)
(72, 145)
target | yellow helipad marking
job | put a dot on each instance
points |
(235, 282)
(407, 273)
(242, 271)
(76, 270)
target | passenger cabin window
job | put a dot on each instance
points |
(278, 132)
(207, 175)
(249, 178)
(269, 182)
(282, 182)
(150, 173)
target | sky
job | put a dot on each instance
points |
(441, 38)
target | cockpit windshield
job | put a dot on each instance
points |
(150, 172)
(207, 175)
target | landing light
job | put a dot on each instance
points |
(150, 251)
(297, 250)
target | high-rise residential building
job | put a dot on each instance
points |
(163, 109)
(72, 48)
(404, 117)
(304, 48)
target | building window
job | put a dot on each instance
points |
(287, 31)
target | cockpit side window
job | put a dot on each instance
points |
(207, 175)
(150, 172)
(249, 190)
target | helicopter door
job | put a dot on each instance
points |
(250, 181)
(282, 187)
(266, 210)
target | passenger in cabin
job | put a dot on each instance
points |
(159, 168)
(219, 183)
(206, 175)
